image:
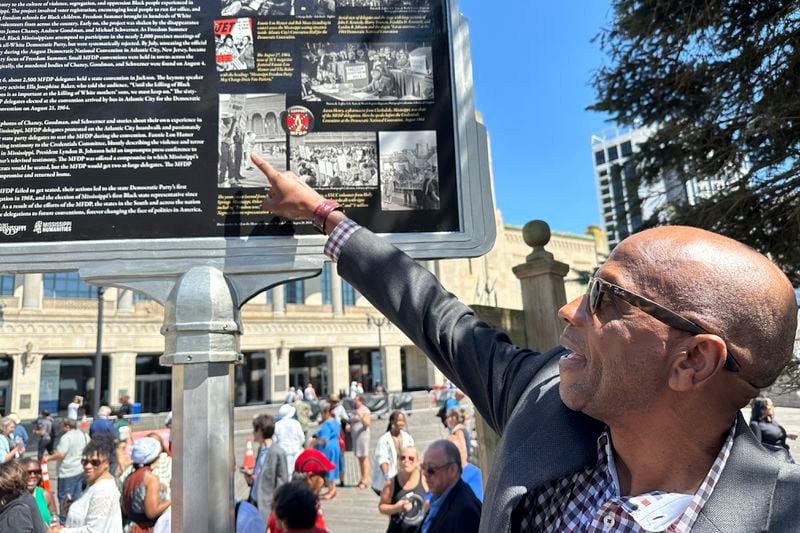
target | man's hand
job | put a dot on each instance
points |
(288, 196)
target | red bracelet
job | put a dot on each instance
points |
(321, 212)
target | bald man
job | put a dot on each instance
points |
(633, 423)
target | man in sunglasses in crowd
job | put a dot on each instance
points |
(633, 423)
(453, 506)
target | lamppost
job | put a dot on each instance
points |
(379, 323)
(98, 354)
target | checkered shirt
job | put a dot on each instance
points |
(338, 238)
(589, 500)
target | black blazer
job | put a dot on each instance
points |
(460, 512)
(516, 392)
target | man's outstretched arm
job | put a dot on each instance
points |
(479, 359)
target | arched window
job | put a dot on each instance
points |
(272, 124)
(257, 124)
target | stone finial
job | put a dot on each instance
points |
(536, 234)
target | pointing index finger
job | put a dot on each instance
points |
(271, 172)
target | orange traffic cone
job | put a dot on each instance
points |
(249, 458)
(85, 423)
(45, 483)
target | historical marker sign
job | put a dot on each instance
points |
(126, 129)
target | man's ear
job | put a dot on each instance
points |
(698, 360)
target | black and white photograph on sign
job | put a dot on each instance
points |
(409, 170)
(385, 5)
(313, 8)
(234, 44)
(355, 72)
(335, 160)
(256, 8)
(247, 123)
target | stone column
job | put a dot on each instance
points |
(435, 376)
(278, 300)
(339, 368)
(25, 382)
(313, 291)
(122, 376)
(543, 294)
(32, 290)
(336, 292)
(124, 301)
(394, 368)
(488, 440)
(278, 372)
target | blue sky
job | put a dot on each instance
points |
(532, 63)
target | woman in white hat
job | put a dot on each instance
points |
(289, 434)
(142, 498)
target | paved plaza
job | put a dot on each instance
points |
(357, 510)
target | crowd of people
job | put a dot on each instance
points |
(417, 190)
(298, 464)
(105, 480)
(337, 165)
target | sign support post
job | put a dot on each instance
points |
(202, 327)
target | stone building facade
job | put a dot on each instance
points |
(319, 330)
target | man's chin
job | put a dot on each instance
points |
(572, 396)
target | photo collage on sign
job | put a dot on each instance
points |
(395, 165)
(247, 123)
(234, 44)
(354, 72)
(409, 170)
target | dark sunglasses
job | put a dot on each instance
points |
(408, 457)
(599, 286)
(34, 472)
(94, 462)
(431, 470)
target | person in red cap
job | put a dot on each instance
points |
(311, 468)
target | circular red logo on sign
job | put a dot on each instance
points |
(298, 121)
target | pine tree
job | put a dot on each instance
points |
(720, 82)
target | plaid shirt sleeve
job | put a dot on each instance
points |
(339, 237)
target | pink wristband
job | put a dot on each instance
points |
(321, 212)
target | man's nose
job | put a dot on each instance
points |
(574, 312)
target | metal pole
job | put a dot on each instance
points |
(98, 353)
(202, 326)
(379, 323)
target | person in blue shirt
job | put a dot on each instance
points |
(19, 431)
(326, 440)
(103, 425)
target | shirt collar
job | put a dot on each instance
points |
(658, 510)
(440, 498)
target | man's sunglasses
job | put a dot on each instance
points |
(599, 286)
(34, 472)
(94, 462)
(431, 470)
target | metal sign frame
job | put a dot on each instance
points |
(105, 261)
